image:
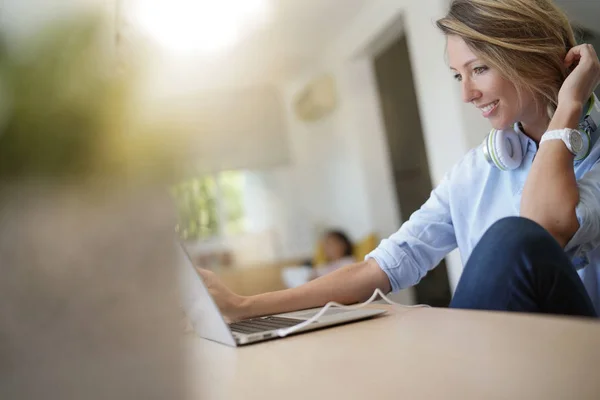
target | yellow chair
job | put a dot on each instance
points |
(359, 251)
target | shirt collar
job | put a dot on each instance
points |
(527, 144)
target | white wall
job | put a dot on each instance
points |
(371, 156)
(339, 172)
(328, 174)
(272, 203)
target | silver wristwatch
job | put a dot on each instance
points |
(572, 138)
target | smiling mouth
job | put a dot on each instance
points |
(488, 108)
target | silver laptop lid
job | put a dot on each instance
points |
(198, 304)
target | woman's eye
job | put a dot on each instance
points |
(458, 77)
(480, 70)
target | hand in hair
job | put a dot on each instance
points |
(584, 77)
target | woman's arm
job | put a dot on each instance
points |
(398, 262)
(346, 285)
(550, 196)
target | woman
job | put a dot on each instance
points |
(338, 252)
(527, 224)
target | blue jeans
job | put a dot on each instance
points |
(518, 266)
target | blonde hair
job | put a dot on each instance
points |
(526, 40)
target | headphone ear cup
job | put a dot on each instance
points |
(508, 149)
(503, 149)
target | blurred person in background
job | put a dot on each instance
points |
(338, 250)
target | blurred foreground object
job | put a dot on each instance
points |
(71, 112)
(88, 295)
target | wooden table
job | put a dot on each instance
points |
(410, 354)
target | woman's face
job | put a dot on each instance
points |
(496, 97)
(334, 248)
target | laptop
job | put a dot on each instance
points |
(208, 321)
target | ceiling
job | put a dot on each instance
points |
(300, 30)
(296, 33)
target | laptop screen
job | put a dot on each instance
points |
(197, 303)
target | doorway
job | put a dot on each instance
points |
(407, 152)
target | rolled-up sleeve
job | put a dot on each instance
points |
(421, 242)
(587, 237)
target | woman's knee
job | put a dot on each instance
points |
(503, 253)
(514, 243)
(519, 235)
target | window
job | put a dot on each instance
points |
(211, 206)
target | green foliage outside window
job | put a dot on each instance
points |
(232, 184)
(210, 206)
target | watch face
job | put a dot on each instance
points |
(576, 141)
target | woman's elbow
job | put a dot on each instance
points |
(562, 225)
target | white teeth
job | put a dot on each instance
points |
(489, 107)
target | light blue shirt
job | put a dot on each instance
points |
(470, 198)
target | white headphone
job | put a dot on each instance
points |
(502, 148)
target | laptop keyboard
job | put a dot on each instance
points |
(262, 324)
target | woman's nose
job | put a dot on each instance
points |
(469, 91)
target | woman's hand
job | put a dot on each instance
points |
(583, 79)
(228, 302)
